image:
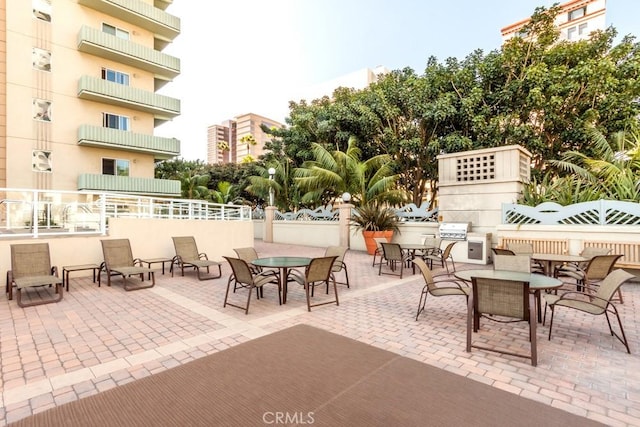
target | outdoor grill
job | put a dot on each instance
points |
(454, 230)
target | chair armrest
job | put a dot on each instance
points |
(591, 297)
(202, 255)
(138, 262)
(54, 270)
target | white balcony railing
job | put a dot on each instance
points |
(33, 213)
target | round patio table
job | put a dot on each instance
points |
(284, 263)
(550, 259)
(537, 282)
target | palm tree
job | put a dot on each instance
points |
(333, 173)
(613, 171)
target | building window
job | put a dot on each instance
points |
(571, 33)
(578, 13)
(116, 167)
(114, 121)
(41, 161)
(582, 29)
(41, 59)
(118, 32)
(115, 76)
(41, 110)
(42, 9)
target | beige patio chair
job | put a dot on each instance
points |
(118, 260)
(378, 252)
(317, 273)
(439, 286)
(504, 301)
(526, 249)
(187, 255)
(598, 267)
(338, 265)
(597, 304)
(512, 263)
(394, 257)
(249, 255)
(442, 257)
(242, 276)
(31, 268)
(573, 267)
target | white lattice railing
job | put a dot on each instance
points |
(601, 212)
(408, 213)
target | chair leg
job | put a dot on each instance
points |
(551, 320)
(422, 303)
(246, 311)
(623, 338)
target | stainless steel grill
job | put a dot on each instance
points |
(454, 230)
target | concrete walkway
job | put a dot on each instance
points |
(99, 338)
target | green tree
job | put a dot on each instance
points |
(331, 174)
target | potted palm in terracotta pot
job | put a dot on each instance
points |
(375, 221)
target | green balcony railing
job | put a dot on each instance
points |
(95, 42)
(95, 89)
(130, 185)
(161, 148)
(139, 13)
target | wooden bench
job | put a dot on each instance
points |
(543, 246)
(629, 250)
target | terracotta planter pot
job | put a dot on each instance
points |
(370, 243)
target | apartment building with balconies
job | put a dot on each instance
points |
(79, 103)
(577, 19)
(239, 140)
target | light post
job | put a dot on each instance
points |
(272, 173)
(346, 197)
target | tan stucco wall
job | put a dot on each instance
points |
(149, 239)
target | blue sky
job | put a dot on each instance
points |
(254, 56)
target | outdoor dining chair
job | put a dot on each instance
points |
(439, 285)
(442, 258)
(317, 273)
(31, 268)
(378, 251)
(244, 277)
(512, 263)
(597, 304)
(572, 267)
(395, 259)
(525, 248)
(500, 251)
(119, 261)
(338, 265)
(504, 301)
(596, 270)
(187, 255)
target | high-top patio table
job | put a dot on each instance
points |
(284, 263)
(537, 282)
(550, 259)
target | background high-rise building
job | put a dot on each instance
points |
(79, 101)
(238, 140)
(577, 19)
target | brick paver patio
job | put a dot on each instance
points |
(99, 338)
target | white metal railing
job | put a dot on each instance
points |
(33, 213)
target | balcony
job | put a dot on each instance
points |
(130, 185)
(95, 42)
(139, 13)
(161, 148)
(99, 90)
